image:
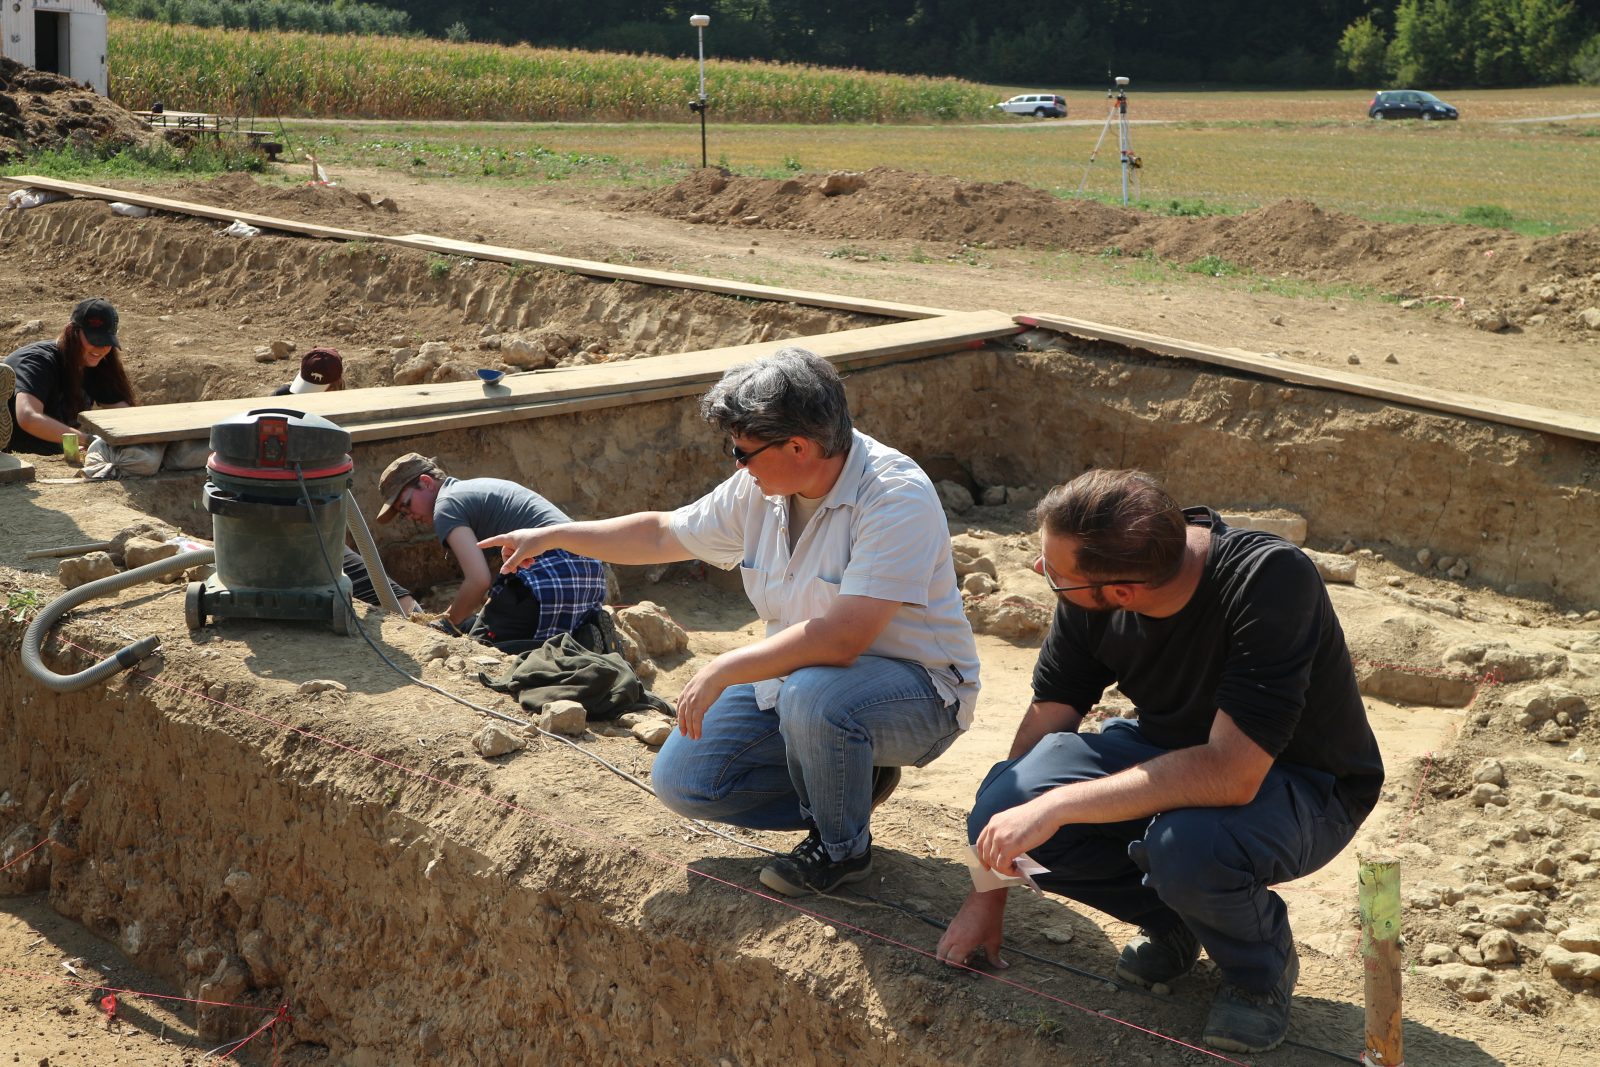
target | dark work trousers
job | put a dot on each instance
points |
(1207, 868)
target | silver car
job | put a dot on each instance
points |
(1039, 105)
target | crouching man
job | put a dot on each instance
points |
(523, 608)
(1250, 763)
(868, 663)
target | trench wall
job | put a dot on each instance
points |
(404, 922)
(1522, 506)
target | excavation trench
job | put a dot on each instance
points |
(413, 902)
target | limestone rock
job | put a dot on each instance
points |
(656, 631)
(322, 685)
(1290, 527)
(969, 560)
(141, 550)
(253, 950)
(282, 349)
(1014, 617)
(1434, 954)
(147, 529)
(1512, 916)
(1023, 496)
(564, 717)
(992, 496)
(1520, 996)
(1563, 963)
(524, 354)
(495, 740)
(1470, 983)
(83, 569)
(978, 584)
(954, 497)
(1581, 938)
(1590, 317)
(1490, 772)
(1333, 568)
(653, 732)
(1484, 793)
(1513, 665)
(1497, 946)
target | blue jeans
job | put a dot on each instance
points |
(1206, 868)
(809, 760)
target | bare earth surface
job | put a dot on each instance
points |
(1493, 798)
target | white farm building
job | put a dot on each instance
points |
(66, 37)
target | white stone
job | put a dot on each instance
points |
(81, 570)
(322, 685)
(1334, 568)
(564, 717)
(495, 740)
(655, 630)
(1562, 963)
(654, 732)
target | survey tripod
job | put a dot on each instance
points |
(1118, 95)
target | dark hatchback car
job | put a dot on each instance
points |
(1409, 104)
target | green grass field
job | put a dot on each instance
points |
(1538, 177)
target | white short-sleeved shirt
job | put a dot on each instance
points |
(880, 533)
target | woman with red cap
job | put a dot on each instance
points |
(47, 384)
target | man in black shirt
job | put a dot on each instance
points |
(1251, 761)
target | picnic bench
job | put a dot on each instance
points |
(215, 125)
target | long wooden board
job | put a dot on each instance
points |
(688, 372)
(1525, 416)
(497, 253)
(185, 207)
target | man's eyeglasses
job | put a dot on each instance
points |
(1050, 580)
(743, 458)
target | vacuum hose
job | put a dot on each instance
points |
(368, 548)
(128, 655)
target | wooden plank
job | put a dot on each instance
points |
(15, 469)
(184, 207)
(497, 253)
(1524, 416)
(690, 371)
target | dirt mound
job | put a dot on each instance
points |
(327, 205)
(1506, 279)
(41, 111)
(888, 203)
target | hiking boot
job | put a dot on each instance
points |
(1150, 959)
(8, 389)
(598, 633)
(809, 869)
(884, 779)
(1243, 1020)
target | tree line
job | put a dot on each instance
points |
(1433, 43)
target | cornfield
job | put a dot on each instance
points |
(310, 75)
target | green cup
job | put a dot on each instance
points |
(69, 446)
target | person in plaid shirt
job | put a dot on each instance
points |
(560, 592)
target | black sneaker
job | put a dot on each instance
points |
(808, 869)
(884, 779)
(1150, 959)
(1243, 1020)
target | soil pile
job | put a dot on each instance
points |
(887, 203)
(326, 205)
(1510, 279)
(40, 111)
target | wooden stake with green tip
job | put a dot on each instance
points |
(1379, 898)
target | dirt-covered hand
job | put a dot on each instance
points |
(973, 936)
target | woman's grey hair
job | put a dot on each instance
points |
(792, 393)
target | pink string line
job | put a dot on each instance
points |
(24, 856)
(281, 1015)
(664, 860)
(129, 992)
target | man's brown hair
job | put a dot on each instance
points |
(1124, 523)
